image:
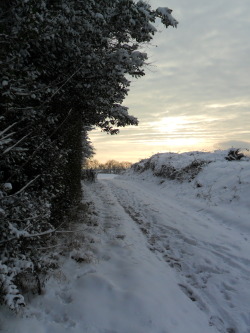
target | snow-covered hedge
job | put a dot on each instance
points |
(185, 166)
(64, 68)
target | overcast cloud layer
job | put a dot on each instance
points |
(196, 92)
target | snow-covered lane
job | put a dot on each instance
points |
(125, 289)
(144, 259)
(154, 302)
(210, 258)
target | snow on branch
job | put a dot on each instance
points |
(166, 17)
(24, 187)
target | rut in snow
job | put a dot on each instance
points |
(210, 270)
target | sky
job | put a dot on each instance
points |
(196, 91)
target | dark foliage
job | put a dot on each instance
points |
(234, 155)
(64, 68)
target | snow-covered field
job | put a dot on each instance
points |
(160, 256)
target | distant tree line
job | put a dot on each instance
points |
(65, 67)
(109, 166)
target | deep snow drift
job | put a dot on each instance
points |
(158, 255)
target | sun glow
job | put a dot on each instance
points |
(171, 124)
(180, 133)
(178, 124)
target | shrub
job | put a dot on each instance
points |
(234, 155)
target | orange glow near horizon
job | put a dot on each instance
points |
(167, 135)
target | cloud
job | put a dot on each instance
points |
(197, 85)
(233, 144)
(209, 50)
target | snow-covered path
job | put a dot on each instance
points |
(209, 257)
(155, 303)
(153, 260)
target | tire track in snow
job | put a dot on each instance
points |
(209, 273)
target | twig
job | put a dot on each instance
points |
(8, 149)
(50, 231)
(6, 129)
(28, 236)
(48, 247)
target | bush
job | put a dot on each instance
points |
(234, 155)
(167, 170)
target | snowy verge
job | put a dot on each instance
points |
(204, 176)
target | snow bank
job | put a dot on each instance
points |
(204, 175)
